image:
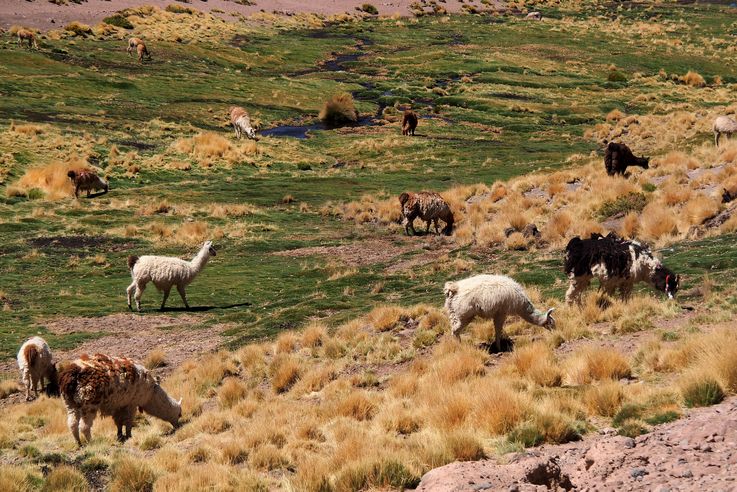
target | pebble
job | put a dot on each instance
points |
(638, 473)
(629, 443)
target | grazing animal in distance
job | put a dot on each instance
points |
(534, 16)
(112, 386)
(142, 51)
(132, 44)
(166, 272)
(241, 123)
(35, 364)
(428, 206)
(617, 263)
(27, 35)
(724, 125)
(619, 157)
(87, 181)
(409, 122)
(492, 297)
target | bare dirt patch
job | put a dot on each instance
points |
(694, 453)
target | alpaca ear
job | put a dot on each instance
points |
(180, 402)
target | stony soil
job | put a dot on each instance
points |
(696, 452)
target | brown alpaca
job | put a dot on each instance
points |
(409, 122)
(87, 181)
(25, 34)
(141, 50)
(428, 206)
(132, 44)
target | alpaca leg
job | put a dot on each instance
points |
(575, 288)
(498, 327)
(130, 291)
(85, 426)
(118, 418)
(73, 424)
(626, 290)
(34, 383)
(130, 413)
(140, 287)
(716, 138)
(166, 296)
(27, 380)
(76, 191)
(427, 226)
(180, 289)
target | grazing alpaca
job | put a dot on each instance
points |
(491, 297)
(618, 157)
(241, 123)
(166, 272)
(409, 122)
(617, 263)
(87, 181)
(428, 206)
(35, 364)
(112, 386)
(724, 125)
(25, 34)
(534, 16)
(142, 51)
(132, 44)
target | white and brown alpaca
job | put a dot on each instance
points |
(142, 51)
(36, 364)
(132, 44)
(87, 181)
(492, 297)
(112, 386)
(165, 272)
(241, 123)
(27, 35)
(428, 206)
(724, 125)
(617, 263)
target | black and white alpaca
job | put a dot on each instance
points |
(618, 157)
(617, 263)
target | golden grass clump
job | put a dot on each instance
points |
(693, 79)
(78, 29)
(339, 109)
(130, 473)
(231, 392)
(357, 405)
(384, 318)
(28, 129)
(66, 479)
(8, 387)
(497, 407)
(51, 179)
(701, 208)
(285, 371)
(155, 359)
(596, 364)
(536, 363)
(604, 399)
(657, 222)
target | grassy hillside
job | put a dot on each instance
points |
(514, 114)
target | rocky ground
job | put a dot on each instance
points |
(696, 452)
(41, 14)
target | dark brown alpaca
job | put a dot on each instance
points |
(428, 206)
(409, 122)
(618, 157)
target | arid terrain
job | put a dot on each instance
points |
(317, 354)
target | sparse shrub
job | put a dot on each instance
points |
(357, 405)
(339, 110)
(178, 9)
(285, 371)
(268, 457)
(118, 20)
(464, 447)
(595, 364)
(369, 9)
(78, 28)
(8, 387)
(701, 390)
(604, 399)
(231, 392)
(536, 362)
(693, 79)
(150, 442)
(632, 202)
(616, 76)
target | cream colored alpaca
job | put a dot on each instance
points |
(35, 364)
(132, 44)
(724, 125)
(241, 123)
(165, 272)
(142, 51)
(491, 297)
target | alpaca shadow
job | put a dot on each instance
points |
(200, 309)
(490, 347)
(95, 195)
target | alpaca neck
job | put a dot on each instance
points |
(199, 261)
(162, 406)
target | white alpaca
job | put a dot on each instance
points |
(534, 16)
(491, 297)
(35, 364)
(165, 272)
(241, 123)
(724, 125)
(112, 386)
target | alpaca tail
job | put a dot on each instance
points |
(31, 355)
(52, 388)
(132, 259)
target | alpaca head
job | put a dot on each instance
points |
(251, 133)
(666, 281)
(403, 198)
(644, 162)
(549, 322)
(210, 248)
(72, 174)
(163, 406)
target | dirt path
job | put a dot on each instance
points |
(41, 14)
(693, 453)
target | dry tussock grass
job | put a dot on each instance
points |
(339, 109)
(51, 179)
